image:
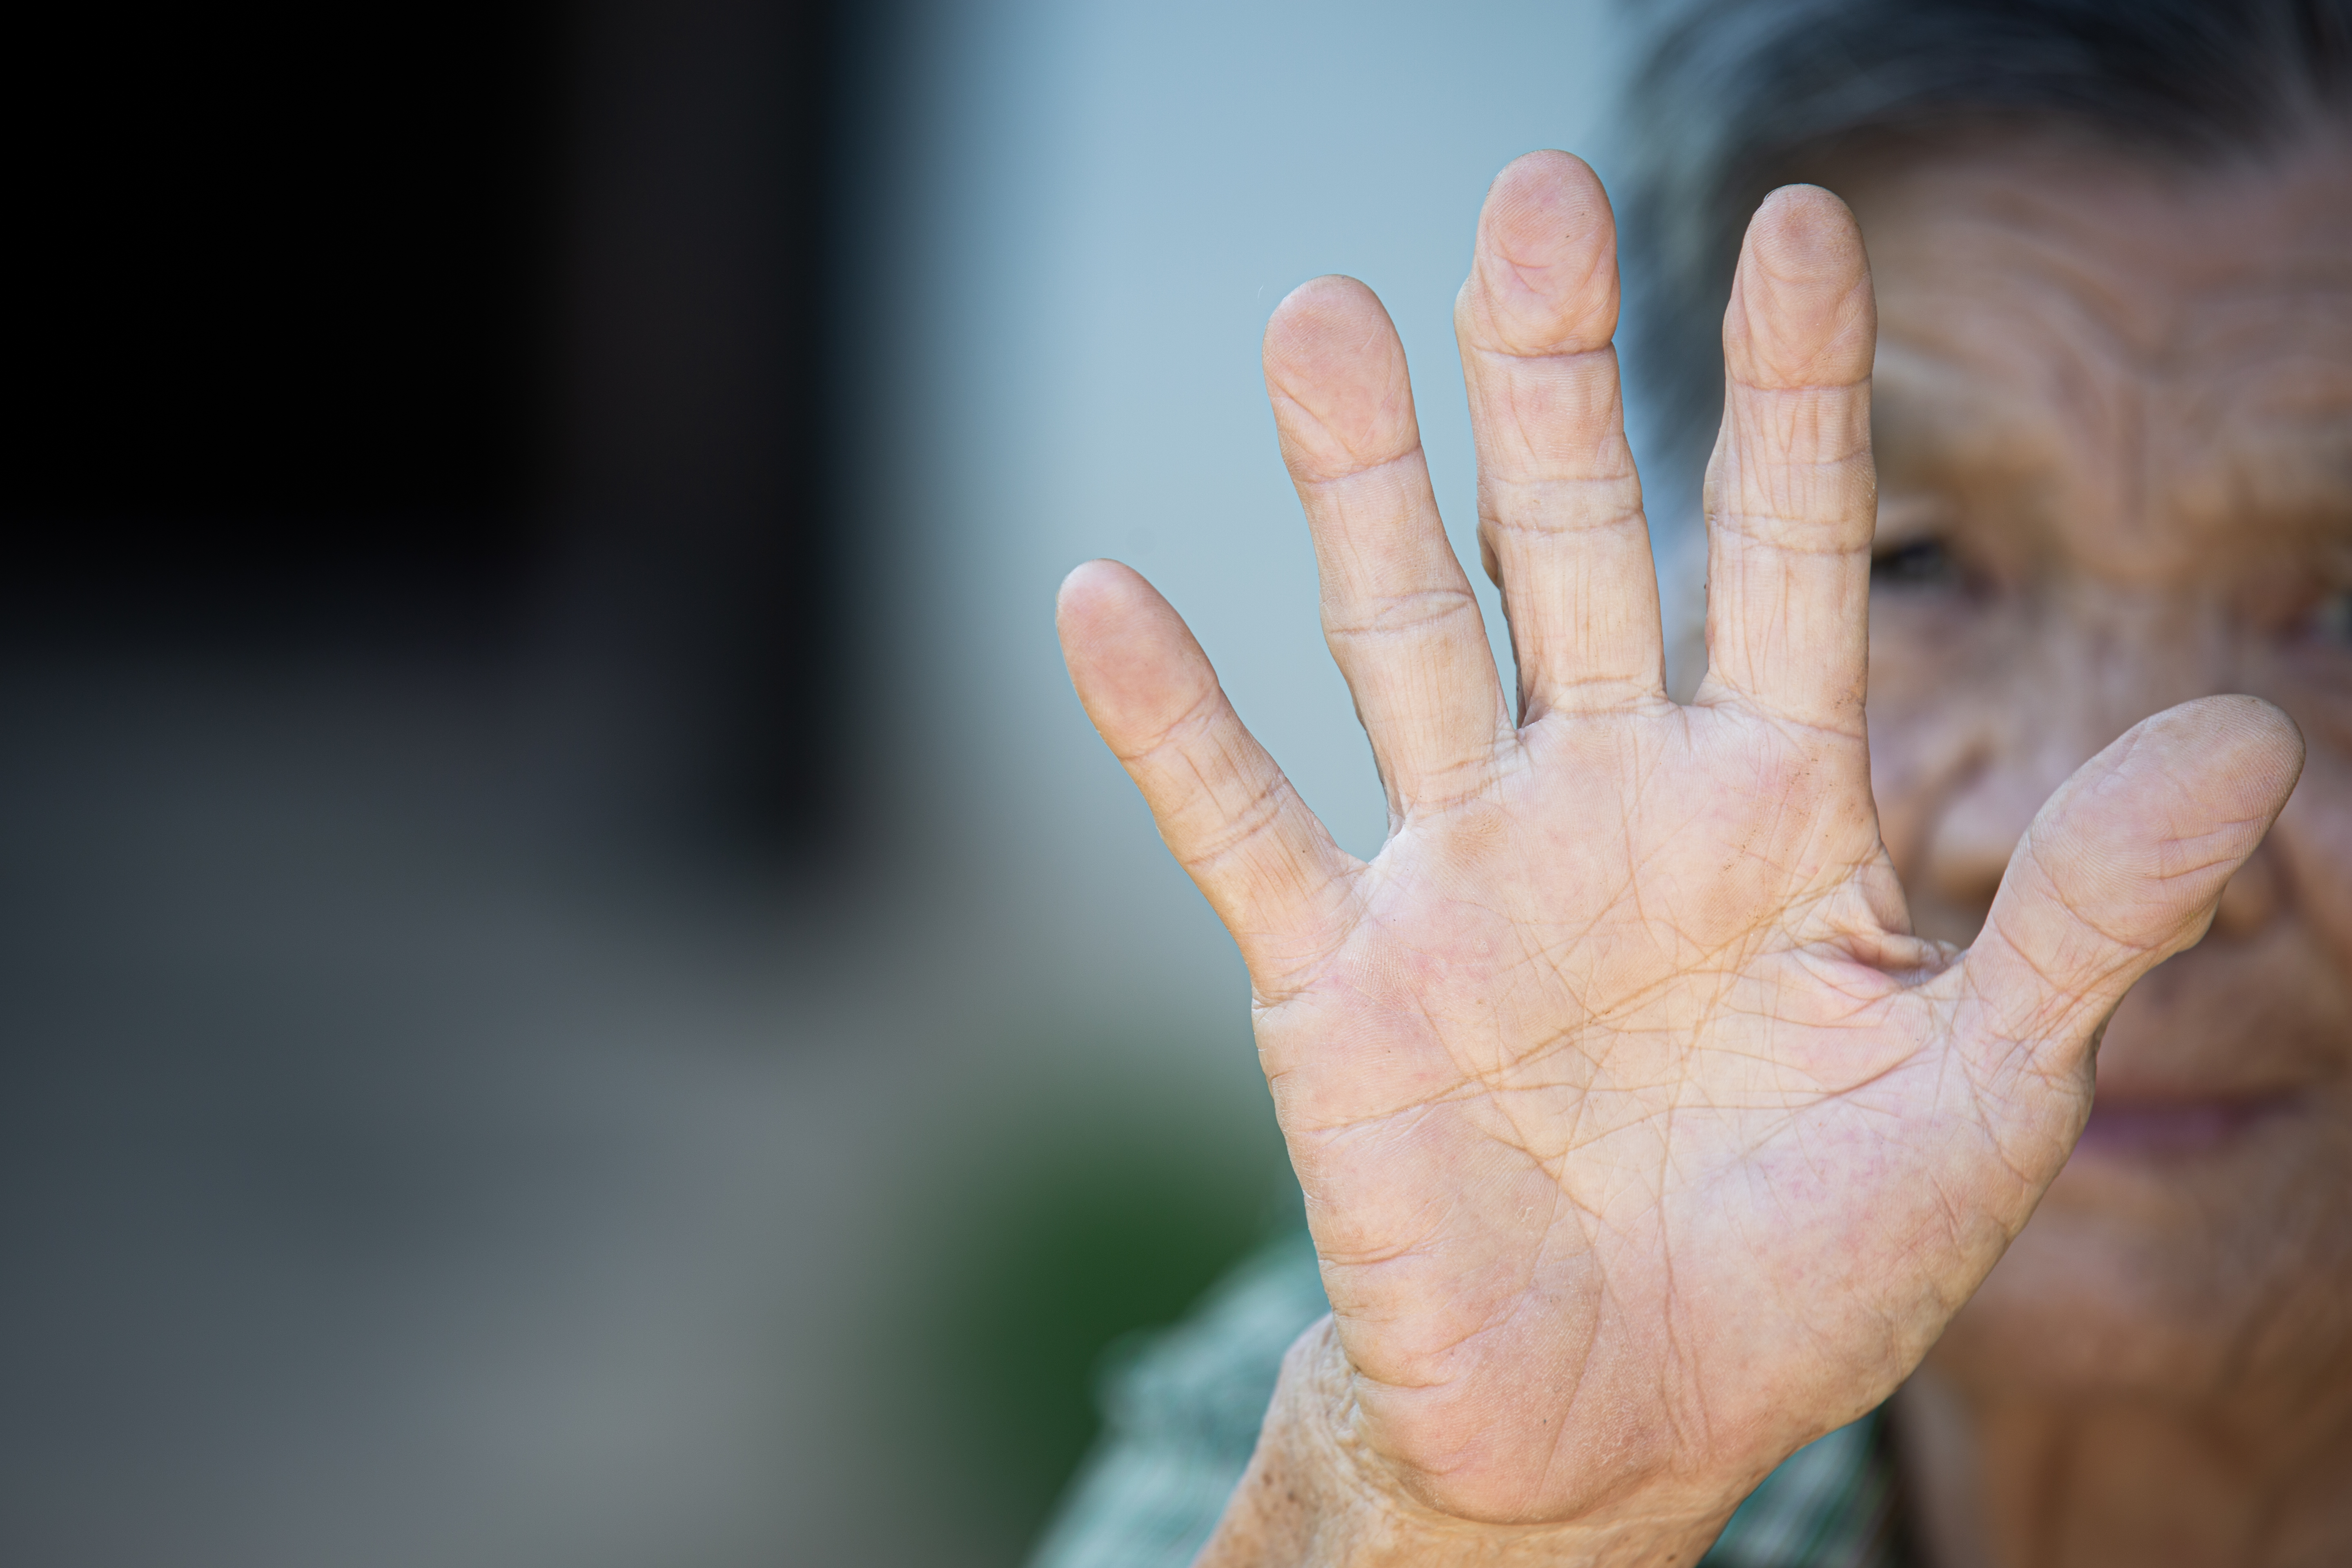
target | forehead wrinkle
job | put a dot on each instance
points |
(2214, 392)
(2257, 479)
(2033, 249)
(2250, 424)
(2142, 249)
(1989, 397)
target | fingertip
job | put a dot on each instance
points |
(1334, 369)
(1318, 314)
(1801, 312)
(2250, 722)
(1543, 205)
(1091, 586)
(1102, 605)
(2126, 864)
(1131, 657)
(1552, 165)
(1805, 231)
(1318, 309)
(2155, 825)
(1545, 276)
(2249, 746)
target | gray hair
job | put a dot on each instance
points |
(1735, 97)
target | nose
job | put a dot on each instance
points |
(1979, 827)
(2088, 670)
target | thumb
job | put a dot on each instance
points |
(2121, 870)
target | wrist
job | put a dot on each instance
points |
(1317, 1493)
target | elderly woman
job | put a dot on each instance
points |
(1958, 1103)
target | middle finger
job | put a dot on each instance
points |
(1559, 506)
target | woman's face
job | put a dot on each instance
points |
(2113, 416)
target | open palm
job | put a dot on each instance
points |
(1640, 1141)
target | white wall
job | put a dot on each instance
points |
(1094, 209)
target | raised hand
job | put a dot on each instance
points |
(1641, 1141)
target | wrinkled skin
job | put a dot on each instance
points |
(1643, 1139)
(2114, 444)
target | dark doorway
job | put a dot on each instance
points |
(451, 326)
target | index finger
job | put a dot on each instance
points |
(1397, 613)
(1791, 496)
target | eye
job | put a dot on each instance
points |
(1917, 563)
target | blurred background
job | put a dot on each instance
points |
(574, 987)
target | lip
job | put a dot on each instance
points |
(2174, 1129)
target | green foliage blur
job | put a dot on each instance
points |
(1070, 1244)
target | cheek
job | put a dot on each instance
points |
(2066, 1308)
(2313, 841)
(1931, 706)
(2176, 1281)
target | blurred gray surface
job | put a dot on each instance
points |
(381, 1194)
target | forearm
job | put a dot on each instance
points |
(1315, 1497)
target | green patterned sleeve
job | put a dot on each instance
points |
(1832, 1504)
